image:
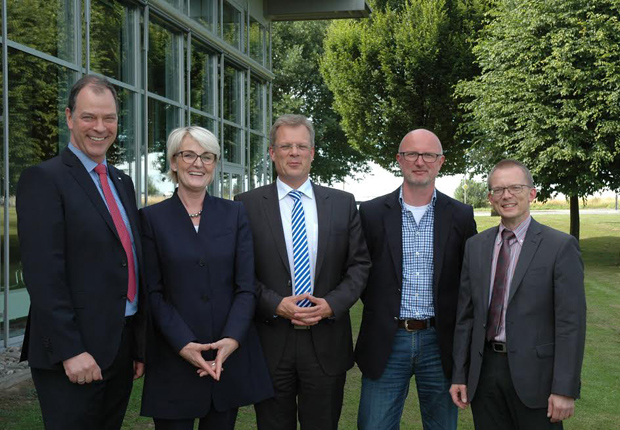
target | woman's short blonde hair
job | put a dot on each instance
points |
(204, 137)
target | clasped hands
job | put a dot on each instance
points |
(192, 352)
(304, 316)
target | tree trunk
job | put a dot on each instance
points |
(574, 216)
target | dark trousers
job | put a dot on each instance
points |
(100, 405)
(301, 388)
(496, 404)
(214, 420)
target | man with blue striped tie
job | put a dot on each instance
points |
(311, 266)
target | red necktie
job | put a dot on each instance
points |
(494, 318)
(120, 228)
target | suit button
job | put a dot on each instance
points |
(395, 318)
(201, 262)
(204, 298)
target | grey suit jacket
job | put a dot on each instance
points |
(545, 317)
(341, 271)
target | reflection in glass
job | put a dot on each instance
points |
(257, 41)
(179, 4)
(122, 153)
(232, 144)
(235, 186)
(258, 160)
(202, 75)
(204, 12)
(231, 25)
(203, 121)
(257, 106)
(112, 49)
(225, 189)
(163, 118)
(45, 25)
(233, 85)
(38, 96)
(165, 62)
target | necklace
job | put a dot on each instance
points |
(196, 215)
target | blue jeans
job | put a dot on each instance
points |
(382, 400)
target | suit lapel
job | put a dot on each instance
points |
(485, 259)
(324, 212)
(83, 178)
(393, 225)
(530, 245)
(441, 229)
(271, 210)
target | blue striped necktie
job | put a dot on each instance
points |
(301, 256)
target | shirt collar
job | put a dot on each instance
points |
(402, 202)
(519, 232)
(284, 189)
(86, 161)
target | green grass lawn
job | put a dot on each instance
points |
(597, 409)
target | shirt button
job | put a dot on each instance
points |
(417, 253)
(417, 273)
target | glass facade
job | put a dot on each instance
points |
(203, 72)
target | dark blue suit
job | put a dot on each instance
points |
(75, 269)
(201, 289)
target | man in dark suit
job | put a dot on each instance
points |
(416, 239)
(79, 240)
(521, 321)
(311, 266)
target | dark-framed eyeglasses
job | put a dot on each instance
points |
(512, 189)
(412, 156)
(189, 157)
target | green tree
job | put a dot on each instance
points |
(475, 193)
(298, 87)
(549, 95)
(396, 71)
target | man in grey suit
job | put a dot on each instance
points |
(521, 319)
(311, 265)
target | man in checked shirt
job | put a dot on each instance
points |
(416, 238)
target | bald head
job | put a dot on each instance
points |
(422, 136)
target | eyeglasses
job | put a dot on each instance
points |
(512, 189)
(189, 157)
(287, 147)
(428, 157)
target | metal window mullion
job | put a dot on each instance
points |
(145, 106)
(5, 147)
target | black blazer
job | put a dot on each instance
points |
(201, 289)
(545, 317)
(74, 264)
(342, 265)
(382, 224)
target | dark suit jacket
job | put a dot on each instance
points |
(75, 267)
(201, 289)
(340, 275)
(382, 224)
(545, 318)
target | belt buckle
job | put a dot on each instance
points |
(499, 347)
(407, 326)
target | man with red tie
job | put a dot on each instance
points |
(79, 239)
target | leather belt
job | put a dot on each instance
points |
(497, 347)
(414, 325)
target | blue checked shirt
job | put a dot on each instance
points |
(417, 293)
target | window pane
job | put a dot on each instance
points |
(257, 106)
(112, 34)
(179, 4)
(257, 41)
(203, 121)
(45, 25)
(204, 12)
(258, 160)
(202, 75)
(231, 25)
(164, 62)
(38, 97)
(233, 85)
(232, 144)
(123, 153)
(163, 118)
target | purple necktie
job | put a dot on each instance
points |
(496, 306)
(121, 229)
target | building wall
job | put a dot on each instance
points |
(173, 62)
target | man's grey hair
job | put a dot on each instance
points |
(291, 120)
